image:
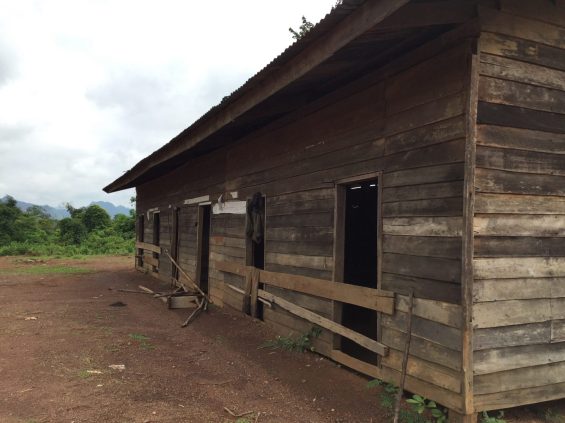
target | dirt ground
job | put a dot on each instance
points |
(59, 334)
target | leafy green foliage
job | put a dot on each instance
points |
(551, 416)
(88, 231)
(300, 344)
(302, 30)
(72, 231)
(498, 419)
(420, 405)
(95, 217)
(421, 410)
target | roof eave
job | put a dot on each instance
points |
(307, 53)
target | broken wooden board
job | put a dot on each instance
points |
(183, 301)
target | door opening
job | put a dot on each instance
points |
(175, 243)
(255, 232)
(204, 222)
(360, 261)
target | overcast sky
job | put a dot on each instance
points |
(90, 87)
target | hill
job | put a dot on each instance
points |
(60, 212)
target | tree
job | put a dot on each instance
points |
(9, 213)
(74, 212)
(95, 217)
(124, 226)
(302, 30)
(72, 230)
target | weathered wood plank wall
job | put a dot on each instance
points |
(408, 121)
(519, 288)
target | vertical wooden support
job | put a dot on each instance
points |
(255, 273)
(405, 357)
(455, 417)
(339, 237)
(199, 241)
(468, 237)
(246, 305)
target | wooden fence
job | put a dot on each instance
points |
(374, 299)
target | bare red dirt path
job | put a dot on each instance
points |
(54, 366)
(177, 375)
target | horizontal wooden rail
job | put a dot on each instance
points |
(325, 323)
(374, 299)
(148, 247)
(150, 260)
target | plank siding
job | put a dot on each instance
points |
(414, 133)
(519, 287)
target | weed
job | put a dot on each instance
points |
(551, 416)
(300, 344)
(242, 420)
(387, 395)
(142, 341)
(420, 405)
(498, 419)
(138, 337)
(84, 374)
(421, 408)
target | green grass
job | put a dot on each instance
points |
(142, 339)
(83, 374)
(138, 337)
(46, 270)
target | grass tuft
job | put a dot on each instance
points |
(46, 270)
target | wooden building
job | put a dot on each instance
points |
(399, 146)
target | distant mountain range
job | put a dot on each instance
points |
(60, 212)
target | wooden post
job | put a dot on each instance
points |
(246, 305)
(254, 291)
(455, 417)
(468, 236)
(405, 357)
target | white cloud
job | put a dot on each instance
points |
(88, 88)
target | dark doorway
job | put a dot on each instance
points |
(259, 247)
(204, 222)
(360, 261)
(175, 243)
(255, 232)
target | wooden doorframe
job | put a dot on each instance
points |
(339, 243)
